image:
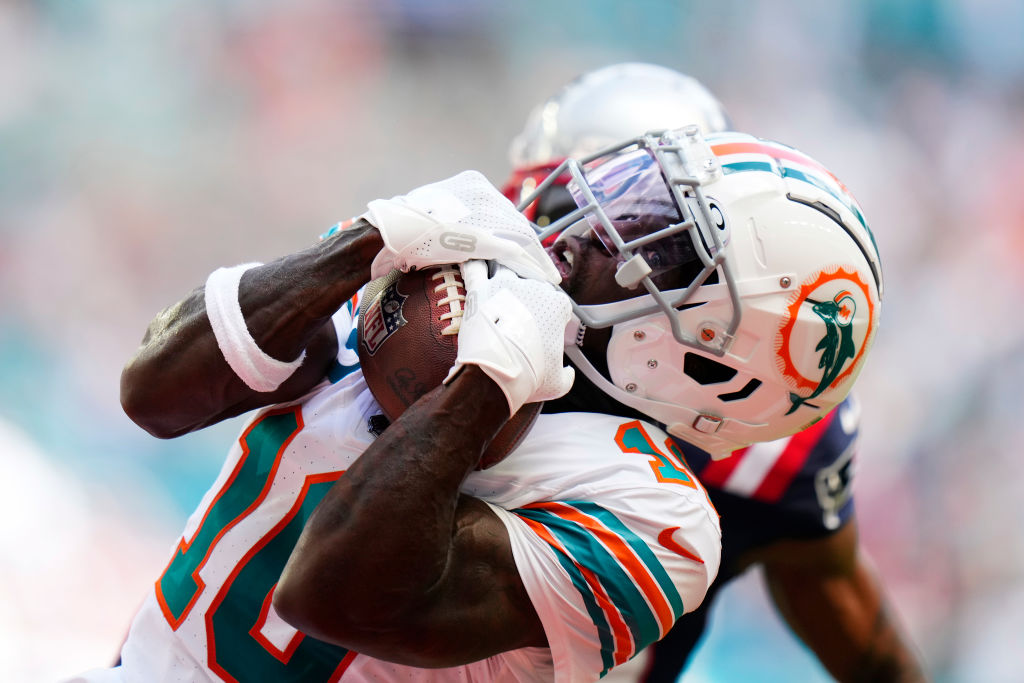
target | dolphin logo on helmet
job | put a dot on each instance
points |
(837, 346)
(784, 292)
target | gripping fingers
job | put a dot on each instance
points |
(461, 218)
(514, 330)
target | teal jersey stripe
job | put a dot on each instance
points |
(642, 550)
(330, 231)
(604, 631)
(338, 371)
(616, 581)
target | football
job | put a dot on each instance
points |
(408, 329)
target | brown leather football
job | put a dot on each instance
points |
(408, 340)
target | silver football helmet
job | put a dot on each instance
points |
(598, 109)
(770, 334)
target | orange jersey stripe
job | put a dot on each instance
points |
(624, 554)
(624, 646)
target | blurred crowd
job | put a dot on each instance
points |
(144, 144)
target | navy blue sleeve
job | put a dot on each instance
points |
(798, 487)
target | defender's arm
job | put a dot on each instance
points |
(833, 600)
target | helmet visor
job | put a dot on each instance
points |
(643, 216)
(546, 207)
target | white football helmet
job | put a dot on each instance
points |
(600, 108)
(771, 333)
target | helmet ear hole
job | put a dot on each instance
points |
(706, 371)
(741, 394)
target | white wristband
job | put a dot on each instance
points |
(253, 366)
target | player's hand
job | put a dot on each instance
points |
(514, 330)
(453, 221)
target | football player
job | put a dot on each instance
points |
(785, 505)
(325, 552)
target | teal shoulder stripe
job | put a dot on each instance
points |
(339, 371)
(333, 229)
(604, 631)
(642, 550)
(353, 340)
(589, 552)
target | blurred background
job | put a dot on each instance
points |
(143, 144)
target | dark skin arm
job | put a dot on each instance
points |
(832, 599)
(395, 563)
(178, 380)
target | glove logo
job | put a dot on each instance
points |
(383, 317)
(824, 327)
(458, 241)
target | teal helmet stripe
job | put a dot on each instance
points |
(846, 200)
(741, 166)
(843, 198)
(784, 171)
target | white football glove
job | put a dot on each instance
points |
(453, 221)
(514, 330)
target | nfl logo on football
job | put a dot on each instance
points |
(383, 316)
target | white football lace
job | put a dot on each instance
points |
(449, 276)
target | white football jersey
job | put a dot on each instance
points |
(612, 535)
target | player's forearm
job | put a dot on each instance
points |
(845, 620)
(378, 547)
(882, 653)
(883, 656)
(178, 379)
(890, 660)
(287, 300)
